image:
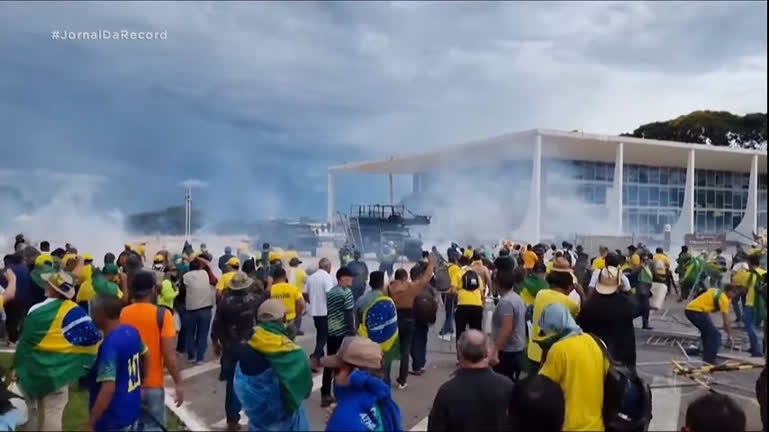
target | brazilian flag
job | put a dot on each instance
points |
(379, 322)
(530, 287)
(57, 344)
(288, 361)
(692, 273)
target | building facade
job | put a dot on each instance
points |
(635, 186)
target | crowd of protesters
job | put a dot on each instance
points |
(561, 336)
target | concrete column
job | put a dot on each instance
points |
(685, 223)
(416, 183)
(618, 185)
(536, 189)
(330, 198)
(749, 223)
(687, 213)
(390, 187)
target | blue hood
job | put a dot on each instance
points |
(355, 405)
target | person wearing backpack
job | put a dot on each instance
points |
(403, 294)
(698, 313)
(158, 337)
(609, 313)
(469, 313)
(449, 294)
(574, 360)
(425, 311)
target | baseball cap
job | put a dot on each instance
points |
(294, 261)
(271, 310)
(357, 351)
(87, 257)
(233, 262)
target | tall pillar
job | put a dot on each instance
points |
(618, 186)
(536, 189)
(688, 210)
(416, 183)
(330, 198)
(749, 223)
(390, 187)
(685, 223)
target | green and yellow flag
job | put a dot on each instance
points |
(288, 361)
(57, 345)
(530, 287)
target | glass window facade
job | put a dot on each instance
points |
(720, 199)
(652, 196)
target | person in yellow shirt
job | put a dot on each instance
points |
(599, 262)
(140, 250)
(297, 278)
(698, 313)
(450, 297)
(469, 312)
(233, 265)
(633, 258)
(661, 263)
(289, 295)
(575, 361)
(561, 283)
(85, 291)
(529, 257)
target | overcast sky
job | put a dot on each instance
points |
(257, 99)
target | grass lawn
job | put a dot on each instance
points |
(76, 412)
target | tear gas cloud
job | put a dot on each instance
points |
(486, 203)
(60, 208)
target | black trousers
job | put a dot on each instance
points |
(406, 326)
(321, 335)
(468, 316)
(509, 364)
(332, 346)
(643, 301)
(15, 312)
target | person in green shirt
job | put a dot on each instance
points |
(166, 290)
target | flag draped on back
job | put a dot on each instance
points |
(58, 343)
(103, 286)
(530, 287)
(287, 360)
(380, 324)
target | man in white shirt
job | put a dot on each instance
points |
(612, 260)
(315, 289)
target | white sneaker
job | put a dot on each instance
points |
(402, 386)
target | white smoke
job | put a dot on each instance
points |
(487, 203)
(60, 208)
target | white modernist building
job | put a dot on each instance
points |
(642, 185)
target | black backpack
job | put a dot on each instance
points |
(425, 306)
(627, 399)
(470, 281)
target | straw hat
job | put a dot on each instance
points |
(61, 282)
(608, 281)
(357, 351)
(271, 310)
(239, 281)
